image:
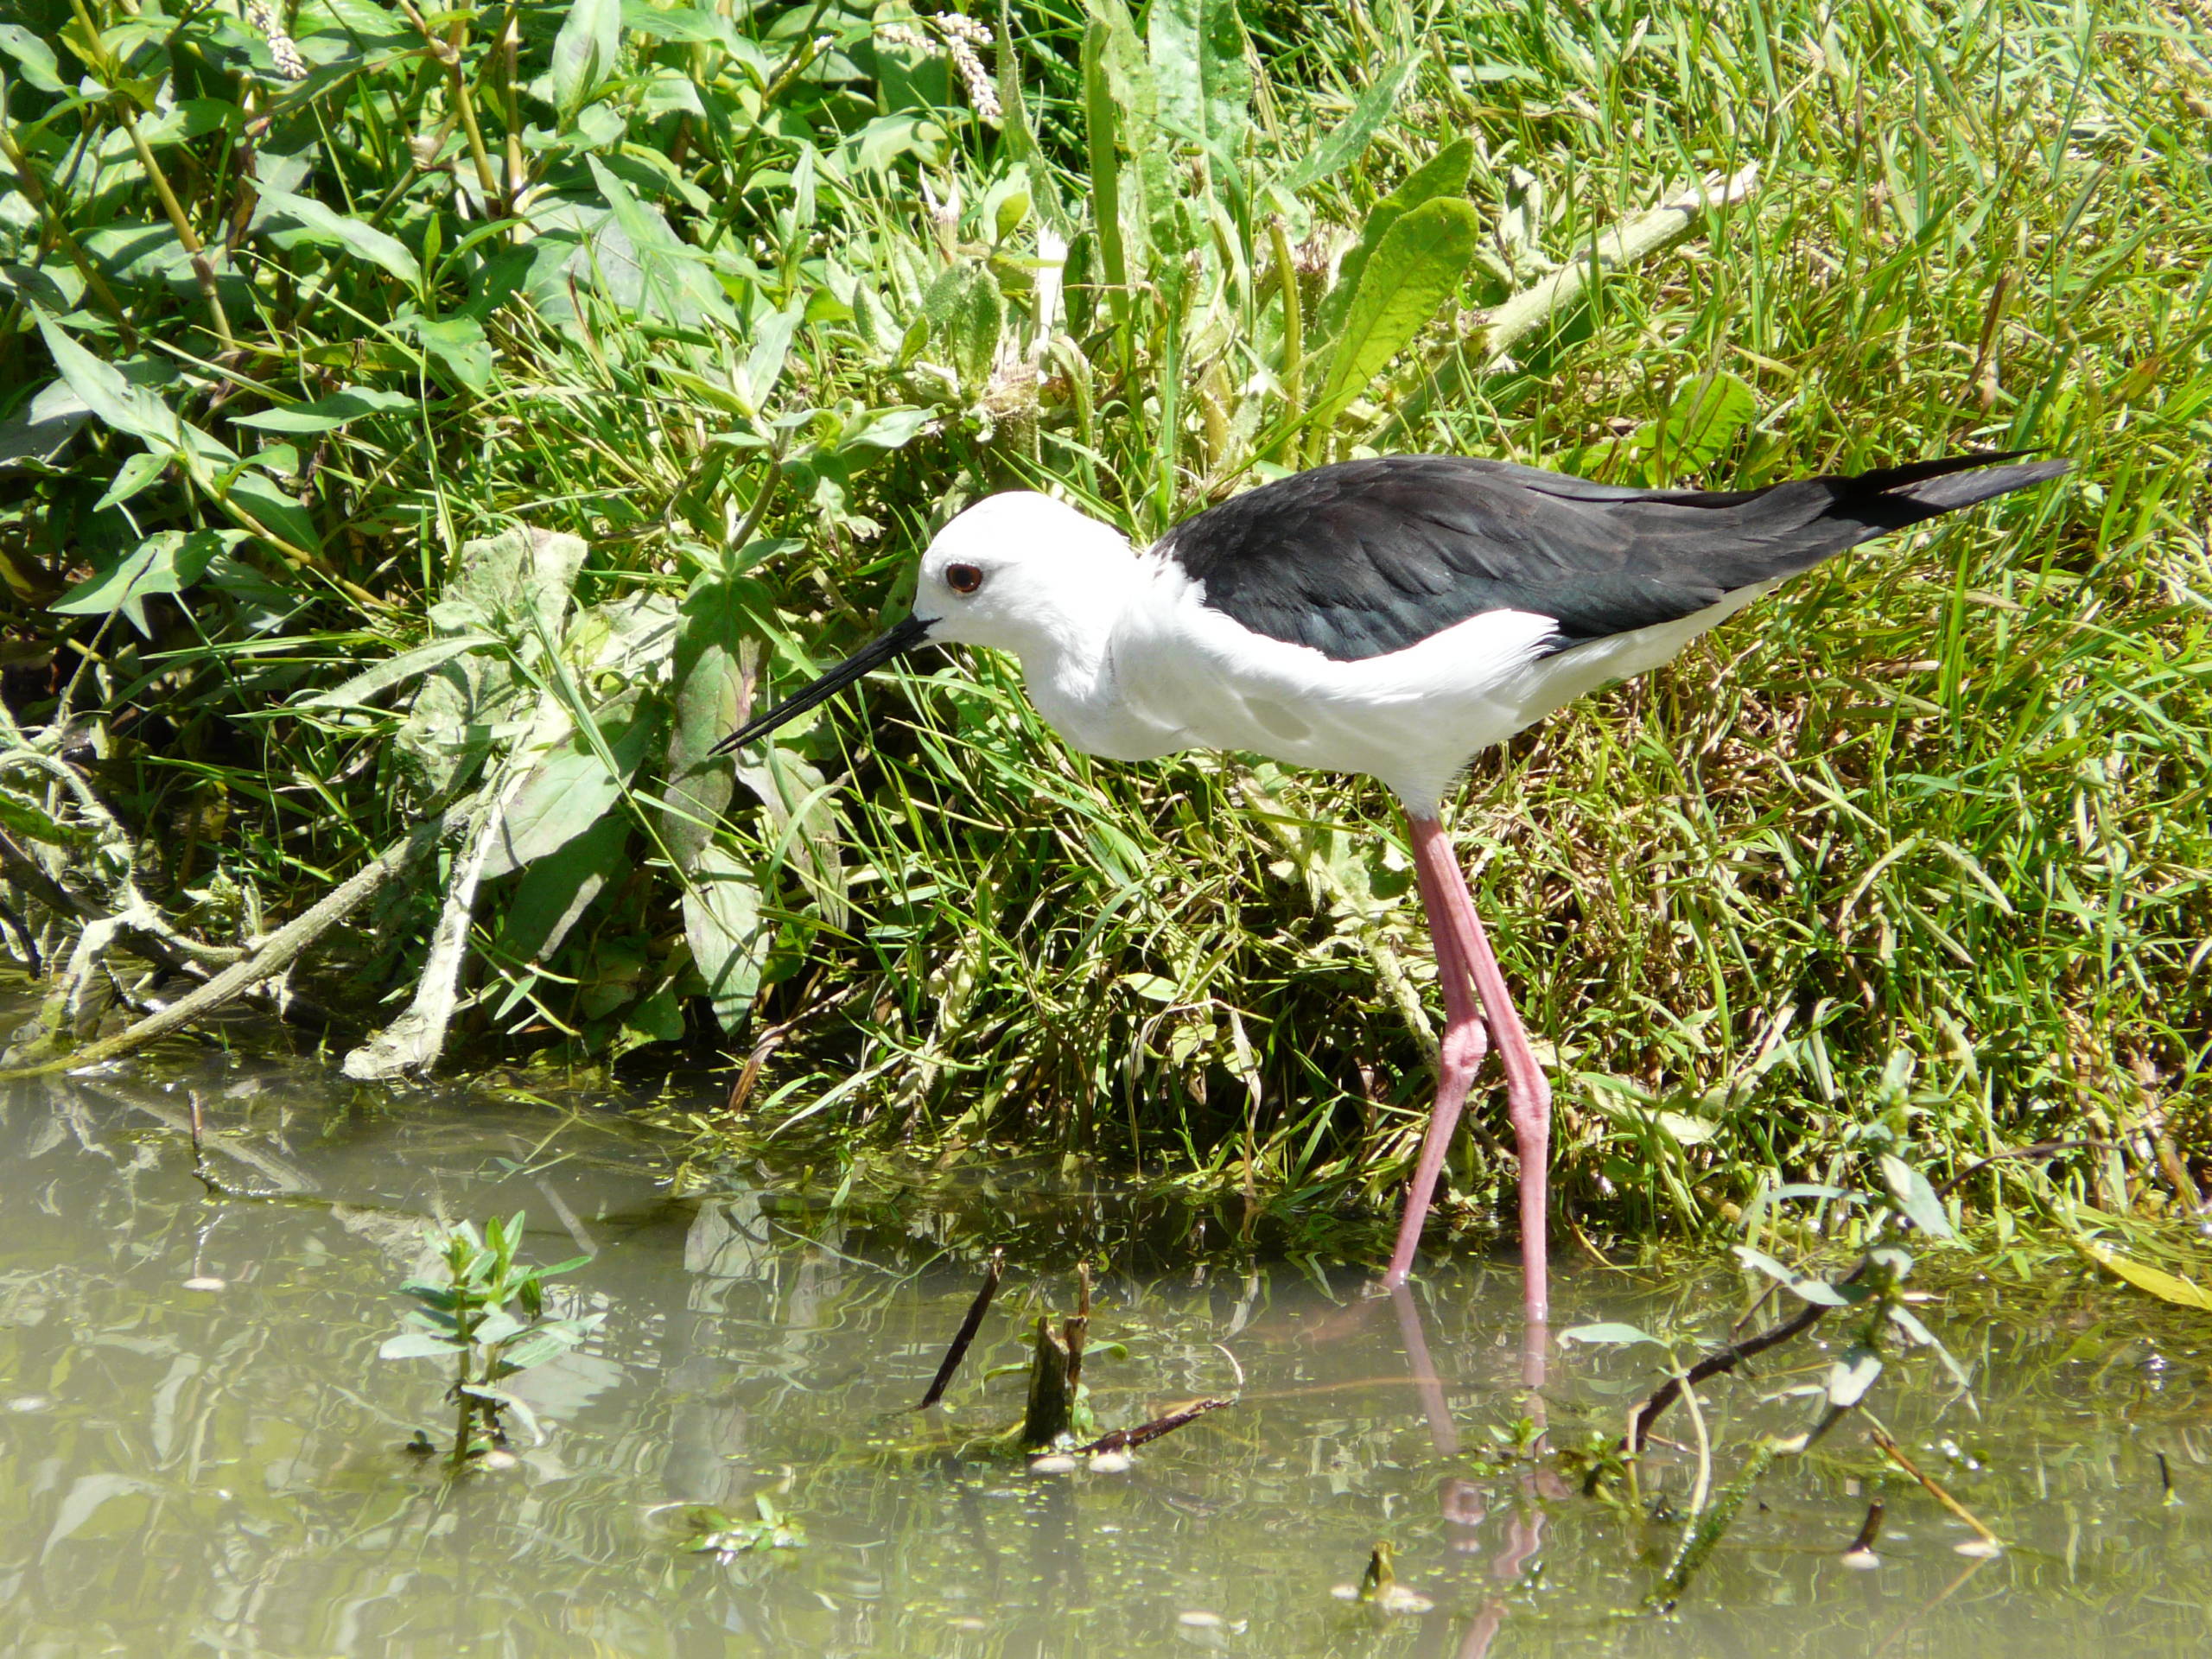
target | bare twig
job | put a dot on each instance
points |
(1723, 1360)
(1880, 1436)
(969, 1324)
(1128, 1439)
(1869, 1530)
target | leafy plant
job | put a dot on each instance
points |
(717, 1533)
(488, 1317)
(1872, 1295)
(303, 315)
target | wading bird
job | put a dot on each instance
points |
(1391, 616)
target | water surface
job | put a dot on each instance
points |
(218, 1469)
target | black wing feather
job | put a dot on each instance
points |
(1367, 557)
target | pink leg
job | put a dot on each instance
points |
(1458, 1057)
(1463, 953)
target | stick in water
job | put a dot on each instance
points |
(966, 1334)
(1987, 1539)
(1127, 1439)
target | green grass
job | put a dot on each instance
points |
(1921, 842)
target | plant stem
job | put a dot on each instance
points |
(33, 189)
(203, 273)
(1294, 332)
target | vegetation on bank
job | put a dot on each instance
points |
(451, 418)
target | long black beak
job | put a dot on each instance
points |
(914, 631)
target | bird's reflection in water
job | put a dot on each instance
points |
(1464, 1504)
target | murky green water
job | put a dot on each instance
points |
(217, 1470)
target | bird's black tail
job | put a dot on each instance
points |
(1891, 498)
(1792, 526)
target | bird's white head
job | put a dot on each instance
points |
(1023, 572)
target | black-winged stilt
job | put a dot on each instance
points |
(1391, 616)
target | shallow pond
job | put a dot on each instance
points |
(218, 1469)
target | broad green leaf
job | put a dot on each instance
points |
(396, 670)
(421, 1344)
(567, 793)
(1199, 66)
(1351, 137)
(1416, 269)
(547, 1340)
(656, 1019)
(1021, 133)
(728, 938)
(1915, 1197)
(139, 470)
(673, 275)
(256, 495)
(1609, 1335)
(1442, 177)
(458, 343)
(967, 314)
(26, 817)
(556, 890)
(1006, 205)
(885, 429)
(497, 1326)
(585, 52)
(772, 344)
(134, 411)
(168, 562)
(709, 689)
(681, 24)
(1852, 1375)
(328, 414)
(36, 434)
(1802, 1286)
(41, 67)
(1103, 140)
(521, 578)
(795, 794)
(333, 229)
(2166, 1287)
(1702, 420)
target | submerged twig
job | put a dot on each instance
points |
(1869, 1530)
(969, 1324)
(1880, 1436)
(1128, 1439)
(1723, 1360)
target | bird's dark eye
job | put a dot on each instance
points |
(964, 578)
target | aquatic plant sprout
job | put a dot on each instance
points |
(488, 1316)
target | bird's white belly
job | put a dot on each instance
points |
(1411, 718)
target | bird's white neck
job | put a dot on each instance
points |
(1067, 662)
(1054, 588)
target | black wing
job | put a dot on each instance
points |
(1367, 557)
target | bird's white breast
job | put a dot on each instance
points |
(1198, 679)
